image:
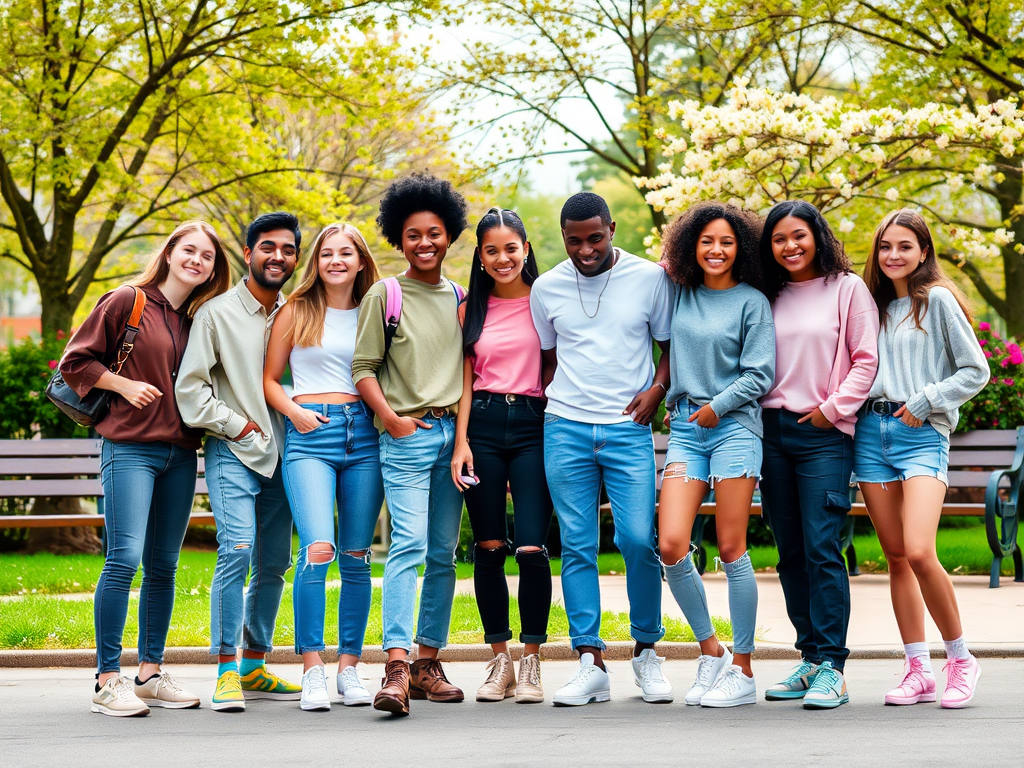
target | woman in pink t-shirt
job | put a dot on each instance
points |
(826, 355)
(500, 434)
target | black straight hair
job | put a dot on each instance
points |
(481, 283)
(268, 222)
(829, 253)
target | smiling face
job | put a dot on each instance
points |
(192, 259)
(502, 254)
(716, 253)
(589, 245)
(424, 244)
(272, 261)
(338, 261)
(793, 247)
(899, 254)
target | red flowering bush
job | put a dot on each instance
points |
(1000, 405)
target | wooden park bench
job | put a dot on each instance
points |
(992, 460)
(61, 468)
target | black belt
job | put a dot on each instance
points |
(881, 407)
(510, 399)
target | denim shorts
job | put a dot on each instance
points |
(724, 452)
(886, 450)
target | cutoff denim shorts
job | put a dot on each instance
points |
(886, 450)
(724, 452)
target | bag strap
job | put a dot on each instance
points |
(393, 306)
(131, 330)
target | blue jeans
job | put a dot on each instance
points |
(805, 491)
(426, 514)
(338, 462)
(254, 530)
(577, 458)
(148, 490)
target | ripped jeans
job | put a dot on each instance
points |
(336, 463)
(254, 531)
(507, 438)
(722, 452)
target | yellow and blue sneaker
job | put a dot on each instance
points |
(261, 683)
(228, 695)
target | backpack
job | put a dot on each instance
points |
(393, 306)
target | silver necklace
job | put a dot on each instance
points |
(580, 292)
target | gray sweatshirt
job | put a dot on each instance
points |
(723, 351)
(934, 369)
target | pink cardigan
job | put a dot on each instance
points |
(812, 368)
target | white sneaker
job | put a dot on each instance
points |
(117, 698)
(708, 670)
(314, 690)
(591, 683)
(731, 689)
(161, 690)
(351, 689)
(648, 677)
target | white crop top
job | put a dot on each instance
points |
(328, 367)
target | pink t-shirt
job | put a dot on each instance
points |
(812, 368)
(507, 356)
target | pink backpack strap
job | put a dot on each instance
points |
(393, 303)
(460, 294)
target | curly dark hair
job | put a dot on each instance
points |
(828, 249)
(679, 243)
(416, 193)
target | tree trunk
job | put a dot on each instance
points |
(1009, 193)
(56, 300)
(62, 541)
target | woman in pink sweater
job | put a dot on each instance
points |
(826, 329)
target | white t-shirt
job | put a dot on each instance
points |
(327, 367)
(604, 360)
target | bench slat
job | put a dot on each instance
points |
(79, 521)
(984, 438)
(66, 487)
(62, 466)
(73, 447)
(980, 458)
(858, 509)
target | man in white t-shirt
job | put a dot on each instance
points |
(596, 313)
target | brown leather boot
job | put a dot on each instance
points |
(393, 695)
(429, 682)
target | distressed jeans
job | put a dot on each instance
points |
(336, 463)
(254, 532)
(578, 457)
(426, 514)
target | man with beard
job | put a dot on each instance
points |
(220, 389)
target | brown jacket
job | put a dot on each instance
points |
(155, 359)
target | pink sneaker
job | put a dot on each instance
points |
(917, 685)
(961, 681)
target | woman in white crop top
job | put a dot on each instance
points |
(330, 454)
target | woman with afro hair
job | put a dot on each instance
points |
(722, 361)
(826, 355)
(413, 383)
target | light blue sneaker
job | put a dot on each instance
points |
(794, 686)
(828, 689)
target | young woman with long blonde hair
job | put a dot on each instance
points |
(330, 454)
(148, 466)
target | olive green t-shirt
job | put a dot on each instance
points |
(423, 368)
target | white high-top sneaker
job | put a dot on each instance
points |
(591, 683)
(314, 690)
(708, 670)
(649, 678)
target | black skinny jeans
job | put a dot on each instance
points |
(507, 439)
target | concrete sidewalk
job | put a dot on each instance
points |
(47, 722)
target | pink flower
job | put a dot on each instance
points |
(1016, 356)
(52, 364)
(983, 342)
(60, 334)
(1008, 382)
(983, 326)
(1006, 362)
(988, 354)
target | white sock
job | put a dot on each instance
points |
(919, 651)
(956, 649)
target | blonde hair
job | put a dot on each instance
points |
(158, 268)
(309, 299)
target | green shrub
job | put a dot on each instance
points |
(1000, 405)
(25, 369)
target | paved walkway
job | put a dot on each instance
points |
(46, 722)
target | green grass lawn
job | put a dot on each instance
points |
(42, 621)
